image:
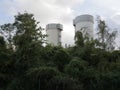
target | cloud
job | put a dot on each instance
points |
(46, 11)
(68, 3)
(53, 11)
(116, 18)
(61, 11)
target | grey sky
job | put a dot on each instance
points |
(62, 11)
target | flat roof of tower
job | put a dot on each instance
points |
(54, 26)
(83, 18)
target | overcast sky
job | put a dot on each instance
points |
(62, 11)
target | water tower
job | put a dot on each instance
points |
(53, 31)
(84, 24)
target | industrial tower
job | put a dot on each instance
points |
(53, 31)
(84, 24)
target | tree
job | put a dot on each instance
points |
(28, 42)
(41, 76)
(6, 65)
(105, 38)
(27, 30)
(61, 58)
(8, 31)
(28, 39)
(79, 40)
(76, 67)
(32, 66)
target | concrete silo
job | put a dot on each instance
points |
(84, 24)
(53, 31)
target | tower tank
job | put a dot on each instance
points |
(85, 24)
(53, 31)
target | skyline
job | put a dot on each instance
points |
(63, 11)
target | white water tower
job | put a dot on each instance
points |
(53, 31)
(84, 24)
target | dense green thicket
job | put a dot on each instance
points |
(25, 64)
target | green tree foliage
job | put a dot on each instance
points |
(5, 65)
(29, 65)
(41, 76)
(61, 58)
(105, 37)
(27, 30)
(79, 41)
(76, 67)
(7, 31)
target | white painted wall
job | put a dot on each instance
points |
(86, 28)
(54, 36)
(84, 24)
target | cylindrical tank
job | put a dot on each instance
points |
(53, 31)
(84, 24)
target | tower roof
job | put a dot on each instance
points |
(54, 26)
(83, 18)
